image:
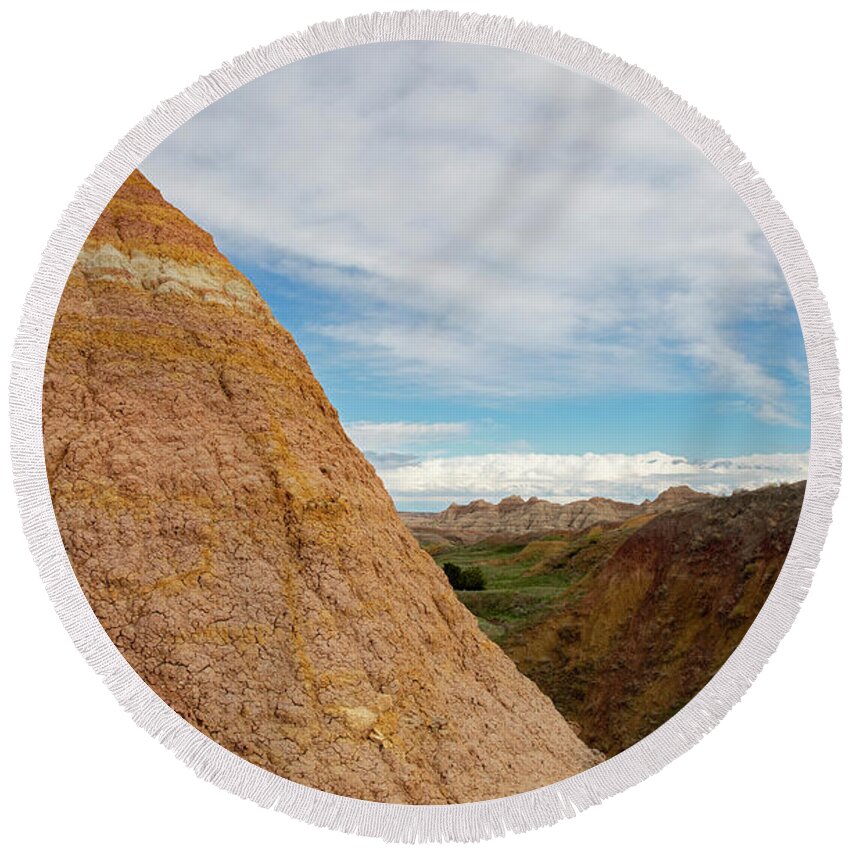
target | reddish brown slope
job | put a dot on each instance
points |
(241, 552)
(641, 634)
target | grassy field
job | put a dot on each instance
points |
(526, 578)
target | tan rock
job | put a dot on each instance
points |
(241, 552)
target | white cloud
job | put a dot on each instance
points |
(491, 224)
(389, 436)
(564, 478)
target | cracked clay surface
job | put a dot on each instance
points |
(241, 552)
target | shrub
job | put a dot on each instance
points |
(454, 574)
(473, 579)
(464, 579)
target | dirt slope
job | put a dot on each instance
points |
(648, 623)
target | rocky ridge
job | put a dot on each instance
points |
(515, 516)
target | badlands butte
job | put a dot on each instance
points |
(245, 558)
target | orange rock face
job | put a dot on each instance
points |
(244, 556)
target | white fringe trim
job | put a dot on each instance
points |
(411, 823)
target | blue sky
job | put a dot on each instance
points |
(507, 277)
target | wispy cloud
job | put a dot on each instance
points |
(384, 436)
(390, 460)
(564, 478)
(493, 225)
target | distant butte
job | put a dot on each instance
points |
(514, 515)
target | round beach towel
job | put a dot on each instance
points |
(422, 425)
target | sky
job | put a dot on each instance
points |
(509, 278)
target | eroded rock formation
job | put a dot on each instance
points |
(241, 552)
(515, 516)
(656, 609)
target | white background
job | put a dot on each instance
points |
(76, 770)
